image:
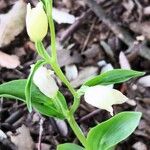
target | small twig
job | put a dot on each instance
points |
(140, 9)
(88, 36)
(14, 116)
(40, 133)
(1, 106)
(88, 116)
(74, 26)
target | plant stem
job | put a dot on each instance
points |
(54, 64)
(76, 129)
(75, 104)
(63, 78)
(49, 8)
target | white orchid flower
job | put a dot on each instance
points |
(104, 97)
(36, 22)
(43, 79)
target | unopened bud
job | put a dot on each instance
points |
(36, 22)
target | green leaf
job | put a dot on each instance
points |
(69, 146)
(113, 76)
(109, 133)
(29, 84)
(13, 89)
(62, 99)
(60, 103)
(47, 110)
(43, 104)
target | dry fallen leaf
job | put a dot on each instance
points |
(107, 67)
(139, 146)
(62, 17)
(129, 6)
(12, 23)
(71, 72)
(44, 146)
(62, 126)
(65, 57)
(124, 63)
(3, 4)
(145, 81)
(141, 28)
(9, 61)
(2, 135)
(68, 3)
(146, 11)
(84, 74)
(22, 139)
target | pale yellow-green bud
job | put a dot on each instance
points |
(36, 22)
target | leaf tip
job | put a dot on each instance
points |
(29, 106)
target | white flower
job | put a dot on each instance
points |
(104, 97)
(44, 81)
(36, 22)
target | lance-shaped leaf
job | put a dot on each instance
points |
(43, 104)
(69, 146)
(29, 84)
(109, 133)
(113, 76)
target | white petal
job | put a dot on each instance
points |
(104, 97)
(62, 17)
(43, 80)
(110, 109)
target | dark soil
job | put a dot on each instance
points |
(91, 37)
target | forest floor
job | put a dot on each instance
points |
(105, 35)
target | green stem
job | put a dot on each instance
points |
(54, 64)
(76, 129)
(49, 8)
(75, 104)
(62, 77)
(42, 51)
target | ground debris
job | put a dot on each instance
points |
(14, 21)
(22, 139)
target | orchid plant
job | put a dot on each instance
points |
(41, 92)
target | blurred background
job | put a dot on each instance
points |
(98, 36)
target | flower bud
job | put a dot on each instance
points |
(104, 97)
(43, 79)
(36, 22)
